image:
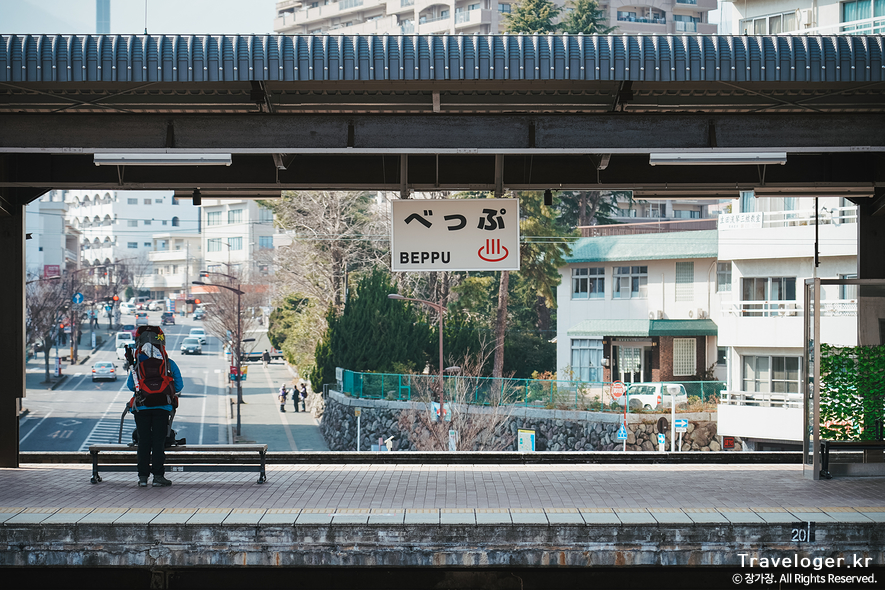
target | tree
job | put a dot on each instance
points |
(584, 16)
(372, 333)
(294, 327)
(585, 208)
(532, 16)
(45, 301)
(227, 312)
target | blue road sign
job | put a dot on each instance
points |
(662, 439)
(622, 433)
(681, 424)
(77, 298)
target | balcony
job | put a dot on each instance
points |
(684, 27)
(472, 18)
(651, 227)
(348, 4)
(437, 24)
(768, 416)
(179, 256)
(780, 324)
(400, 6)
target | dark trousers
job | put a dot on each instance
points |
(152, 426)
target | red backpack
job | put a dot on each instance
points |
(154, 382)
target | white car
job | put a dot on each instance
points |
(123, 339)
(198, 333)
(654, 396)
(127, 308)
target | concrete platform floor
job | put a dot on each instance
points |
(444, 494)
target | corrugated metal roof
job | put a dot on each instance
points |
(640, 247)
(634, 328)
(206, 58)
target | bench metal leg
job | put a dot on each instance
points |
(95, 476)
(825, 461)
(262, 477)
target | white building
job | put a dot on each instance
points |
(766, 251)
(452, 17)
(637, 308)
(818, 17)
(51, 247)
(237, 236)
(177, 259)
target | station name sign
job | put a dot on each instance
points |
(454, 234)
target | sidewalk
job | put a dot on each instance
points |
(262, 421)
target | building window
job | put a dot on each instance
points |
(132, 223)
(848, 291)
(147, 221)
(771, 374)
(265, 215)
(684, 357)
(235, 216)
(132, 201)
(504, 8)
(657, 210)
(132, 245)
(147, 201)
(721, 356)
(588, 283)
(235, 243)
(158, 201)
(175, 222)
(768, 289)
(265, 242)
(214, 245)
(213, 218)
(630, 282)
(147, 244)
(587, 360)
(748, 202)
(685, 281)
(723, 277)
(686, 214)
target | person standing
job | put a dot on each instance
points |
(265, 357)
(303, 395)
(283, 395)
(152, 421)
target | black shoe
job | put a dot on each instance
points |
(142, 482)
(161, 482)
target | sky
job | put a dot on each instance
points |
(169, 17)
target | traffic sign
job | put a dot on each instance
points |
(618, 389)
(662, 438)
(681, 424)
(77, 298)
(622, 432)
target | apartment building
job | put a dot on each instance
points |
(432, 17)
(819, 17)
(176, 260)
(766, 251)
(52, 246)
(237, 237)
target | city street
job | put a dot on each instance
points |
(80, 412)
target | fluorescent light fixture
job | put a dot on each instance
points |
(716, 158)
(162, 159)
(858, 191)
(238, 193)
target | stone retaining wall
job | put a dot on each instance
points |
(555, 430)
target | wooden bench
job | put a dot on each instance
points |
(185, 458)
(852, 445)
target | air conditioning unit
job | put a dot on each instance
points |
(702, 313)
(660, 314)
(690, 313)
(656, 315)
(652, 315)
(804, 18)
(604, 362)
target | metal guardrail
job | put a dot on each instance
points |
(533, 393)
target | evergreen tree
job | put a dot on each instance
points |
(584, 16)
(532, 16)
(373, 333)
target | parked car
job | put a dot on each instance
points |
(127, 308)
(104, 371)
(654, 396)
(157, 305)
(191, 346)
(198, 333)
(167, 318)
(129, 328)
(141, 318)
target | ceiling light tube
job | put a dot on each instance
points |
(716, 158)
(162, 159)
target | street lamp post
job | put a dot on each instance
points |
(238, 345)
(441, 310)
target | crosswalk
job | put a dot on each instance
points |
(107, 429)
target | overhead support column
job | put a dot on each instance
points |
(404, 176)
(870, 265)
(12, 330)
(499, 176)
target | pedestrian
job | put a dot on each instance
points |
(303, 395)
(265, 357)
(283, 395)
(79, 334)
(152, 426)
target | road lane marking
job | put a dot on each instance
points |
(205, 395)
(105, 431)
(34, 428)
